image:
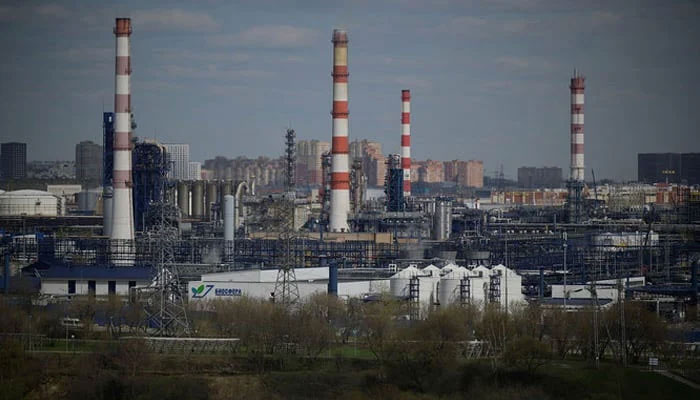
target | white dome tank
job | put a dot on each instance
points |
(449, 285)
(429, 278)
(399, 282)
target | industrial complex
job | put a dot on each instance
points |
(338, 217)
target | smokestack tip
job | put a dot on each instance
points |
(123, 26)
(340, 36)
(406, 94)
(577, 80)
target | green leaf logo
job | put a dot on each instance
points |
(200, 289)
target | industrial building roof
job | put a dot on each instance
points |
(89, 272)
(27, 192)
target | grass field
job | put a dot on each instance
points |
(345, 372)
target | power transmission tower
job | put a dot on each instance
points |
(291, 158)
(286, 287)
(163, 301)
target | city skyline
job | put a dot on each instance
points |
(489, 81)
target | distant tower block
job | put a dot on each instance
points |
(340, 174)
(122, 208)
(406, 141)
(577, 167)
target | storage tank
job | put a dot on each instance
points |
(429, 278)
(442, 219)
(399, 282)
(511, 285)
(183, 198)
(87, 200)
(480, 278)
(211, 200)
(197, 199)
(449, 286)
(29, 202)
(228, 213)
(226, 187)
(431, 270)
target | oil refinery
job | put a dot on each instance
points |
(224, 237)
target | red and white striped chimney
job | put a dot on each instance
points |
(577, 168)
(340, 175)
(406, 140)
(122, 208)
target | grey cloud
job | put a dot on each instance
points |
(24, 11)
(174, 20)
(213, 71)
(51, 10)
(7, 13)
(269, 36)
(180, 55)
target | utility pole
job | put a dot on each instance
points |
(565, 271)
(505, 273)
(621, 302)
(594, 292)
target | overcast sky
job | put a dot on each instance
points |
(489, 79)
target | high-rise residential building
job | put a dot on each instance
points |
(13, 160)
(539, 177)
(265, 171)
(475, 174)
(373, 161)
(669, 167)
(464, 173)
(180, 159)
(309, 161)
(88, 163)
(429, 171)
(195, 172)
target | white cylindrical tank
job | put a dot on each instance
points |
(228, 216)
(29, 202)
(429, 278)
(449, 285)
(511, 285)
(480, 279)
(399, 282)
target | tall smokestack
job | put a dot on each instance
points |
(406, 141)
(340, 175)
(123, 211)
(577, 168)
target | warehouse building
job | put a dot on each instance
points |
(88, 280)
(260, 283)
